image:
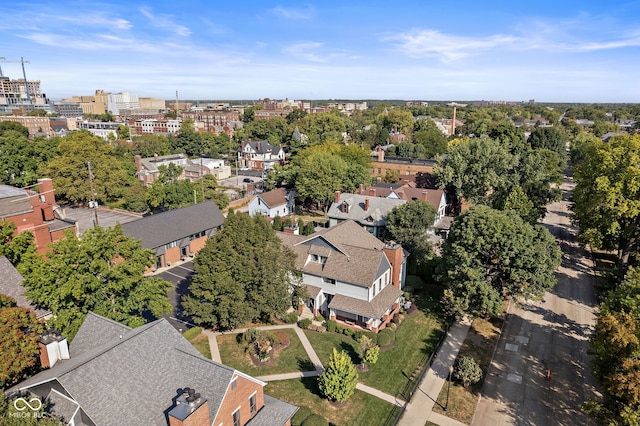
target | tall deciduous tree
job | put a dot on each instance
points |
(492, 254)
(70, 174)
(243, 273)
(409, 224)
(103, 273)
(338, 381)
(19, 343)
(606, 202)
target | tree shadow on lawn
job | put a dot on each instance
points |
(350, 350)
(305, 364)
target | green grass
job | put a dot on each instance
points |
(288, 360)
(361, 409)
(416, 336)
(201, 343)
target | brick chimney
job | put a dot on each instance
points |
(190, 409)
(425, 196)
(138, 161)
(380, 152)
(336, 196)
(393, 251)
(53, 347)
(155, 157)
(366, 204)
(45, 188)
(372, 192)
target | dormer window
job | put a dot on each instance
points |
(316, 258)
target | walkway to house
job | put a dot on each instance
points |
(420, 409)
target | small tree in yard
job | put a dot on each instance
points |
(338, 382)
(369, 351)
(467, 371)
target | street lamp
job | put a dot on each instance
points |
(446, 406)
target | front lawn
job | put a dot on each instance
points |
(201, 343)
(415, 337)
(288, 360)
(361, 409)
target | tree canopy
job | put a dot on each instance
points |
(408, 224)
(103, 273)
(492, 254)
(338, 381)
(243, 273)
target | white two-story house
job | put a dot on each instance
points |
(277, 202)
(350, 275)
(259, 155)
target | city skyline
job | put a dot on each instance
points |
(549, 51)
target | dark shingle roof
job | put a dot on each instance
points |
(94, 331)
(14, 201)
(11, 285)
(132, 380)
(374, 309)
(163, 228)
(274, 413)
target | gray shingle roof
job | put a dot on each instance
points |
(132, 380)
(11, 285)
(93, 326)
(14, 201)
(374, 309)
(163, 228)
(374, 215)
(274, 413)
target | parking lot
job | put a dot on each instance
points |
(180, 276)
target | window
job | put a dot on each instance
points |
(252, 403)
(236, 417)
(328, 280)
(234, 383)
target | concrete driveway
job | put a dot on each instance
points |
(540, 374)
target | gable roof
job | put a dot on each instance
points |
(163, 228)
(96, 325)
(260, 147)
(274, 198)
(11, 285)
(352, 254)
(14, 201)
(132, 379)
(374, 215)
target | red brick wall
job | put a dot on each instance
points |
(395, 258)
(239, 397)
(200, 417)
(172, 255)
(197, 244)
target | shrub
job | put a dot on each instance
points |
(338, 382)
(371, 355)
(315, 420)
(407, 295)
(386, 337)
(339, 329)
(291, 318)
(304, 323)
(357, 335)
(393, 326)
(331, 326)
(348, 332)
(192, 332)
(301, 415)
(467, 370)
(320, 318)
(248, 336)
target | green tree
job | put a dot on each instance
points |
(467, 370)
(13, 126)
(606, 203)
(188, 140)
(148, 145)
(243, 273)
(70, 174)
(551, 138)
(19, 344)
(518, 201)
(427, 134)
(338, 381)
(123, 132)
(12, 417)
(409, 225)
(21, 158)
(490, 255)
(168, 192)
(103, 272)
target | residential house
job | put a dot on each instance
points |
(176, 234)
(350, 275)
(381, 164)
(370, 212)
(408, 192)
(259, 155)
(278, 202)
(36, 212)
(148, 169)
(150, 375)
(11, 285)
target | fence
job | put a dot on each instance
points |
(412, 384)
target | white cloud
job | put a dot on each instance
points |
(293, 13)
(306, 50)
(165, 22)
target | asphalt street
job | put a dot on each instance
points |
(540, 374)
(180, 276)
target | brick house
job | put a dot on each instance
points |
(151, 375)
(178, 233)
(36, 212)
(350, 275)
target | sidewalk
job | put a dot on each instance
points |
(420, 409)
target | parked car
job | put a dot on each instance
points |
(247, 180)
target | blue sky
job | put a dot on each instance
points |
(553, 51)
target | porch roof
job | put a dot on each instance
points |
(374, 309)
(312, 290)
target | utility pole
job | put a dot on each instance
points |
(93, 203)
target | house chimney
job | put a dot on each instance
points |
(53, 347)
(380, 154)
(372, 192)
(337, 196)
(425, 196)
(361, 189)
(138, 161)
(155, 157)
(394, 253)
(45, 188)
(366, 204)
(190, 409)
